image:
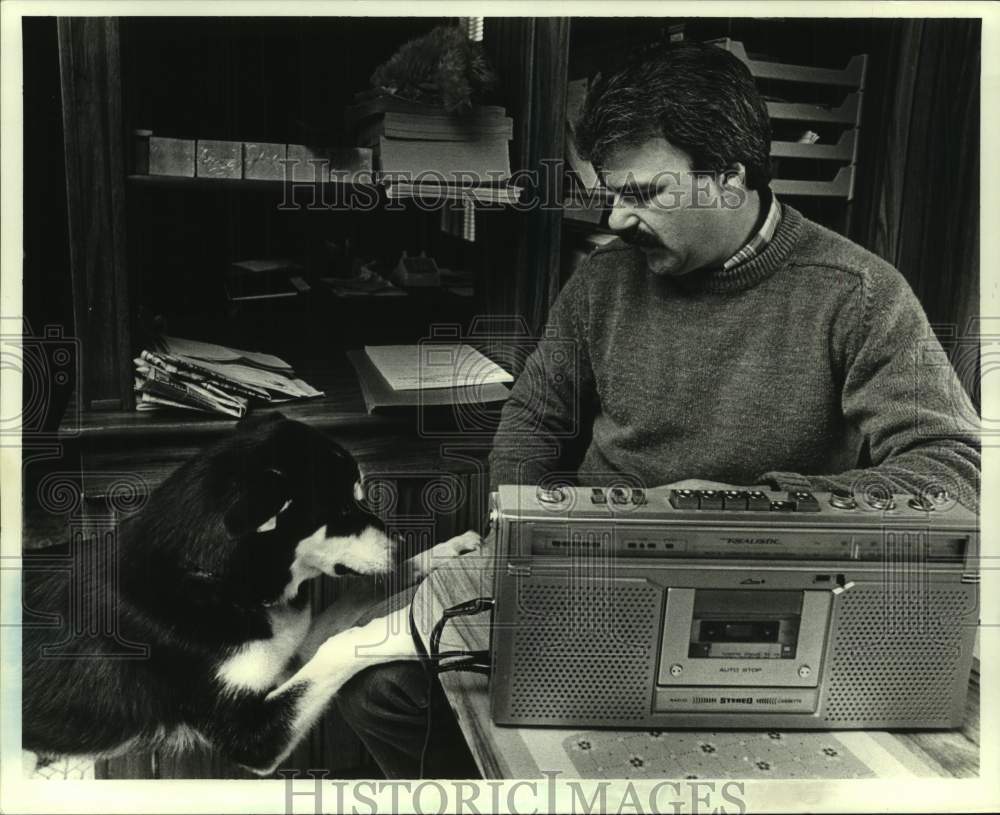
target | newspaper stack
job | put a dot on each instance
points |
(200, 376)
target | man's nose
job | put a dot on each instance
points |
(621, 218)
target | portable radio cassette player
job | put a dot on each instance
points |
(676, 608)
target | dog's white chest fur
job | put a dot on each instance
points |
(260, 664)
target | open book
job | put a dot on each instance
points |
(435, 365)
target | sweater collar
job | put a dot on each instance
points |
(757, 260)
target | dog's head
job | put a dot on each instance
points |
(256, 514)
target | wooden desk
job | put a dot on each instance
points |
(512, 752)
(143, 448)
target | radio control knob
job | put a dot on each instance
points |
(940, 496)
(555, 495)
(805, 671)
(881, 503)
(843, 499)
(676, 670)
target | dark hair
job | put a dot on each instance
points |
(698, 97)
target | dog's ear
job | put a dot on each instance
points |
(264, 495)
(254, 420)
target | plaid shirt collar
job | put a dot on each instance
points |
(761, 238)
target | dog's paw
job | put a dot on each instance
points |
(455, 547)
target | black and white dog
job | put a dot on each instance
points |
(209, 576)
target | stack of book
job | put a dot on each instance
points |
(192, 375)
(417, 142)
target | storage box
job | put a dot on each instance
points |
(220, 159)
(262, 160)
(171, 156)
(352, 164)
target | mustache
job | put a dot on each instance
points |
(636, 237)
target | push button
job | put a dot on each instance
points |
(683, 499)
(758, 501)
(619, 495)
(804, 501)
(734, 499)
(709, 499)
(597, 496)
(638, 496)
(782, 506)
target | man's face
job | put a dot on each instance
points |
(680, 220)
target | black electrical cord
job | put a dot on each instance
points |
(474, 661)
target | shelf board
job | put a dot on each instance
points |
(238, 184)
(853, 76)
(340, 406)
(341, 410)
(333, 192)
(844, 150)
(149, 446)
(842, 186)
(848, 113)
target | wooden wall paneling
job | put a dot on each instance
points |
(90, 72)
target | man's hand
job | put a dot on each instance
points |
(699, 484)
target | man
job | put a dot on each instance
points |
(725, 341)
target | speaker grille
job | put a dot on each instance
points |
(591, 654)
(895, 658)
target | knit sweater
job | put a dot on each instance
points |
(810, 366)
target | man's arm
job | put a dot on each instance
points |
(901, 392)
(549, 408)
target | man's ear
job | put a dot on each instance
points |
(263, 496)
(734, 176)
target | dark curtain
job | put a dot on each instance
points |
(918, 194)
(521, 249)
